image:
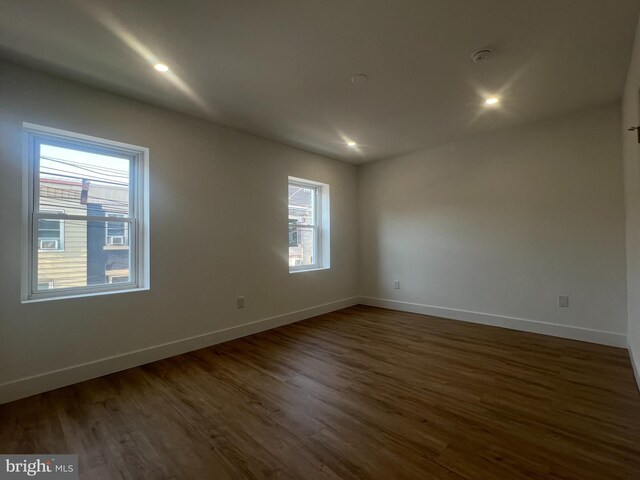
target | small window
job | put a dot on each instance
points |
(308, 225)
(117, 233)
(51, 234)
(87, 203)
(116, 279)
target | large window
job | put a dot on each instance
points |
(87, 207)
(308, 225)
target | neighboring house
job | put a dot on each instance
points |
(75, 253)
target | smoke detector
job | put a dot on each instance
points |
(359, 78)
(481, 56)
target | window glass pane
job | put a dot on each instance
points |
(86, 259)
(83, 183)
(302, 246)
(49, 228)
(302, 201)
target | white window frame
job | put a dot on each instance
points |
(138, 219)
(320, 226)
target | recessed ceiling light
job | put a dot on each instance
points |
(492, 101)
(352, 144)
(161, 67)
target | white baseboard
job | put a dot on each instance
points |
(35, 384)
(634, 364)
(514, 323)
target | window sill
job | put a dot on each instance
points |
(39, 299)
(314, 269)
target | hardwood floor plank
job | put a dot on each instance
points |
(362, 393)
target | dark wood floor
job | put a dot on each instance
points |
(359, 393)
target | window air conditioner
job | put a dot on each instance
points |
(117, 240)
(49, 244)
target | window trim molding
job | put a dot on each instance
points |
(139, 205)
(321, 225)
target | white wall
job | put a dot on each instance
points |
(218, 230)
(631, 154)
(488, 229)
(495, 228)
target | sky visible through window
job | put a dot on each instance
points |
(65, 166)
(78, 163)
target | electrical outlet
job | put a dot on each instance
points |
(240, 302)
(563, 301)
(396, 285)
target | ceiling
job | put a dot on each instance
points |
(281, 68)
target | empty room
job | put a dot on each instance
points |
(320, 240)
